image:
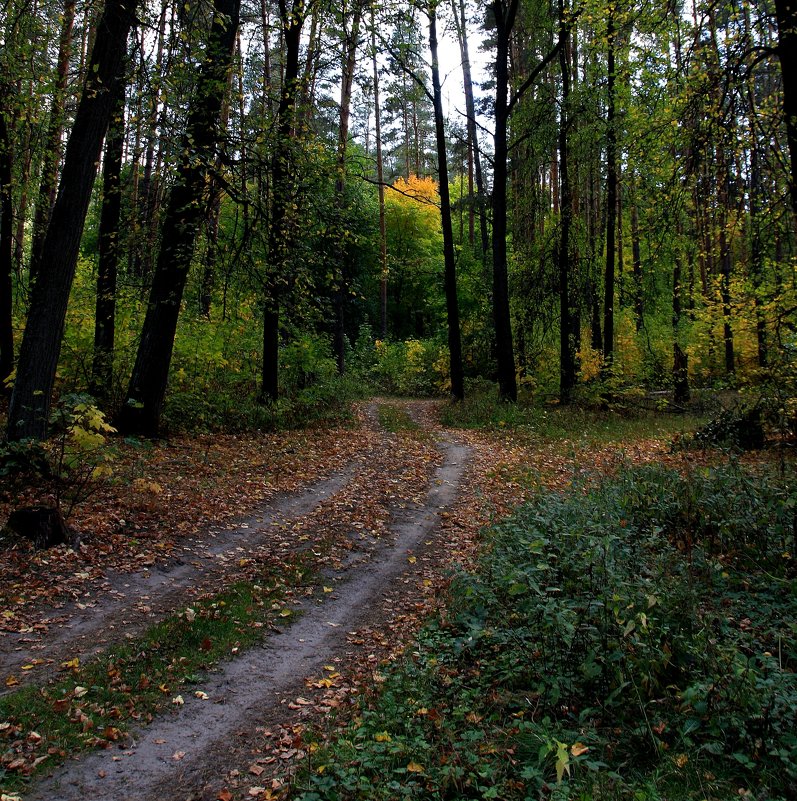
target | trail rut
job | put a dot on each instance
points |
(253, 690)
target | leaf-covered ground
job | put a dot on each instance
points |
(204, 505)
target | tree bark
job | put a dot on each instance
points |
(450, 280)
(611, 199)
(351, 39)
(51, 160)
(460, 23)
(292, 20)
(786, 12)
(108, 260)
(6, 253)
(41, 344)
(182, 218)
(567, 334)
(505, 13)
(383, 274)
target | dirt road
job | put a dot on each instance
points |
(406, 484)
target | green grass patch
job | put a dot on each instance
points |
(96, 702)
(483, 410)
(395, 420)
(632, 640)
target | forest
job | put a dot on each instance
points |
(462, 334)
(216, 207)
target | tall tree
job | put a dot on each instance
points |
(41, 344)
(182, 219)
(351, 38)
(461, 26)
(52, 143)
(6, 250)
(108, 256)
(611, 191)
(568, 331)
(786, 13)
(503, 14)
(292, 18)
(450, 268)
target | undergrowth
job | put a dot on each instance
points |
(632, 640)
(483, 410)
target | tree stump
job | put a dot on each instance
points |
(44, 526)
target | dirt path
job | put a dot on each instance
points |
(389, 504)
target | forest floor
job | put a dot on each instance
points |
(378, 515)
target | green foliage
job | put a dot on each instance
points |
(413, 367)
(529, 417)
(629, 640)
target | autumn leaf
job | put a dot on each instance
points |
(382, 737)
(414, 767)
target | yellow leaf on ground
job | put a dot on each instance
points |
(414, 767)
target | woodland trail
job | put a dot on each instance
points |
(379, 575)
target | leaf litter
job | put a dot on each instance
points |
(350, 532)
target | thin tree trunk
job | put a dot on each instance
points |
(450, 282)
(786, 12)
(611, 200)
(108, 261)
(52, 148)
(6, 252)
(383, 275)
(504, 13)
(567, 331)
(147, 389)
(680, 369)
(349, 63)
(636, 252)
(292, 20)
(460, 22)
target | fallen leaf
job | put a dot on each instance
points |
(414, 767)
(79, 691)
(178, 700)
(224, 795)
(256, 770)
(577, 749)
(201, 695)
(178, 755)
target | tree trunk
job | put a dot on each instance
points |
(636, 254)
(41, 343)
(6, 254)
(342, 289)
(505, 13)
(786, 12)
(567, 334)
(611, 200)
(292, 20)
(51, 159)
(680, 369)
(450, 282)
(460, 23)
(108, 261)
(383, 275)
(147, 389)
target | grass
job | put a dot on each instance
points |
(95, 703)
(483, 410)
(633, 640)
(395, 420)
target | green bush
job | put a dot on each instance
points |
(632, 640)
